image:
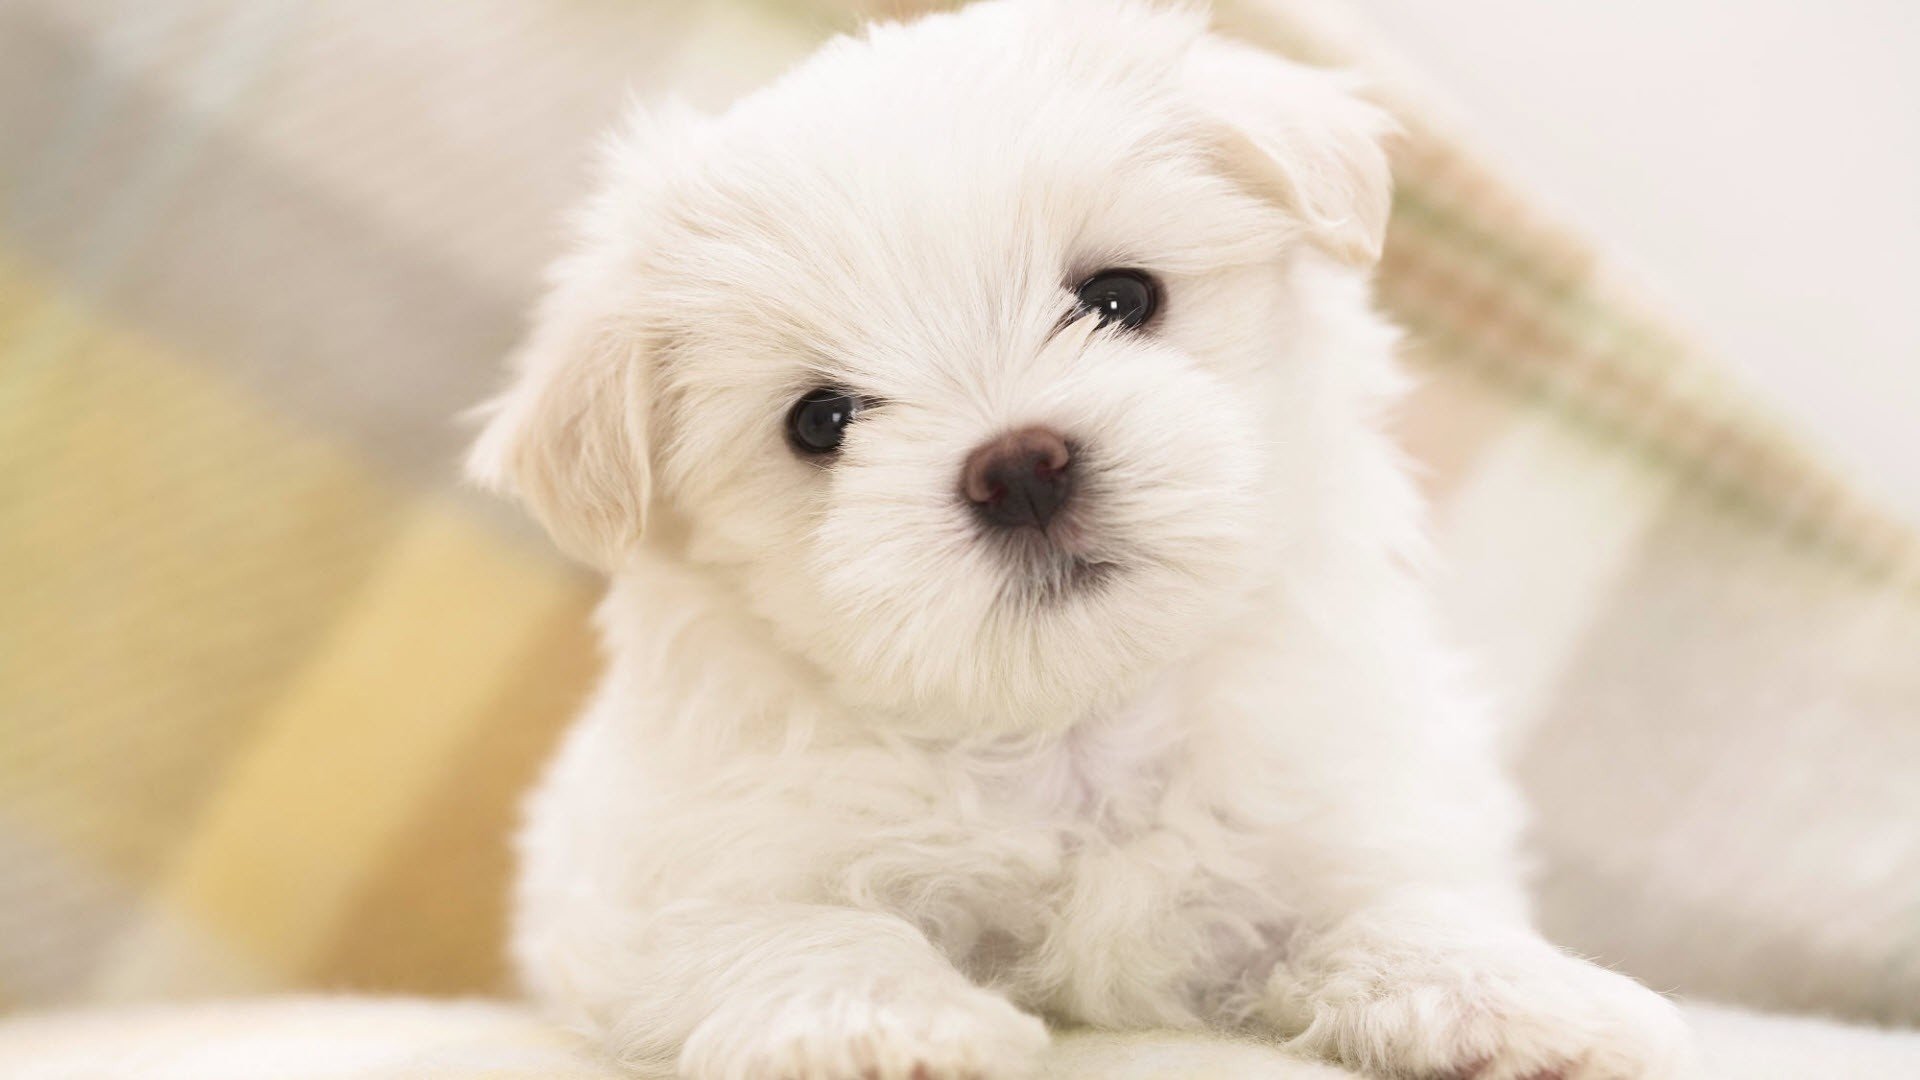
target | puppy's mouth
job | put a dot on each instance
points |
(1053, 564)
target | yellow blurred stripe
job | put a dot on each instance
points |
(170, 551)
(358, 744)
(397, 938)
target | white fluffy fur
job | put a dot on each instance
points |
(860, 798)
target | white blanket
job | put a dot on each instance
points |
(344, 1038)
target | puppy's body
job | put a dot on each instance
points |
(872, 777)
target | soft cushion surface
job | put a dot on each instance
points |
(400, 1039)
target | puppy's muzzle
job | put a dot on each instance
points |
(1021, 478)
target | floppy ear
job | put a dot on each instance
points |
(569, 435)
(1297, 136)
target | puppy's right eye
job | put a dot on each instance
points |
(818, 422)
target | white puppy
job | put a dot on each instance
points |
(1013, 608)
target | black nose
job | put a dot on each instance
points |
(1020, 478)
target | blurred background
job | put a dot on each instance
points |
(271, 680)
(1754, 164)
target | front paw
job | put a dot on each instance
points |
(895, 1032)
(1518, 1010)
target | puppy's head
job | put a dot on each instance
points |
(978, 356)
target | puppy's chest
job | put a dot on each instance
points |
(1108, 811)
(1105, 784)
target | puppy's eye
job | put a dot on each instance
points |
(818, 421)
(1126, 297)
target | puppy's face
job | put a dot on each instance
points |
(974, 355)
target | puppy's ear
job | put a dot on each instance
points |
(1297, 136)
(569, 436)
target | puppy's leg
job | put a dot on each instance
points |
(1434, 986)
(736, 992)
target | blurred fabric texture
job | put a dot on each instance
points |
(270, 681)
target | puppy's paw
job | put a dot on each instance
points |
(948, 1032)
(1521, 1012)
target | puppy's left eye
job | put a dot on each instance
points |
(818, 421)
(1126, 297)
